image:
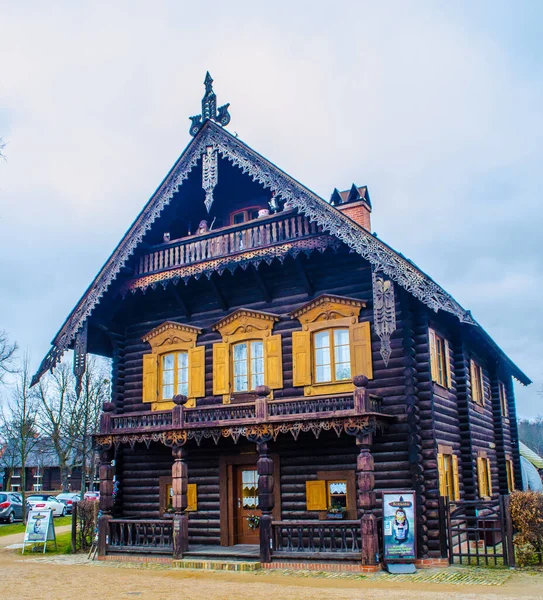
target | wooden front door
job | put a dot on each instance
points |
(246, 505)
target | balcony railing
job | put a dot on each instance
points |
(142, 535)
(267, 231)
(261, 410)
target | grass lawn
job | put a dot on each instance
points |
(64, 546)
(20, 527)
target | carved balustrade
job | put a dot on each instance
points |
(268, 231)
(140, 535)
(309, 537)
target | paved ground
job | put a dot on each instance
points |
(53, 577)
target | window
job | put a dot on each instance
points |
(332, 346)
(439, 359)
(174, 366)
(248, 362)
(248, 356)
(477, 386)
(449, 484)
(166, 496)
(332, 490)
(332, 355)
(503, 400)
(242, 216)
(174, 374)
(484, 477)
(510, 475)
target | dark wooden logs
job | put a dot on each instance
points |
(266, 500)
(179, 501)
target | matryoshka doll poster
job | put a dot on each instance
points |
(399, 529)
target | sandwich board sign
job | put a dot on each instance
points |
(399, 527)
(40, 528)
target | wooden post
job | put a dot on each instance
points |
(360, 394)
(261, 403)
(74, 527)
(179, 501)
(507, 521)
(106, 499)
(266, 501)
(365, 500)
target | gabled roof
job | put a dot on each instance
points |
(381, 256)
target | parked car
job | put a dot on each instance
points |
(11, 507)
(45, 501)
(92, 496)
(68, 498)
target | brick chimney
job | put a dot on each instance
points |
(355, 204)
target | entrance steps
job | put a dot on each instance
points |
(216, 565)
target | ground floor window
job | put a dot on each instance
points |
(449, 484)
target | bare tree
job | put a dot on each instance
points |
(59, 417)
(7, 349)
(19, 419)
(95, 391)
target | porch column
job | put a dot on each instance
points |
(266, 502)
(366, 499)
(179, 501)
(106, 472)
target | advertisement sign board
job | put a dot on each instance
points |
(39, 528)
(399, 527)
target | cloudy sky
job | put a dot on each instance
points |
(436, 106)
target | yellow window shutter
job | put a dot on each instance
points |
(361, 350)
(456, 479)
(433, 354)
(150, 378)
(448, 365)
(481, 477)
(511, 475)
(441, 472)
(301, 358)
(473, 379)
(192, 497)
(274, 362)
(197, 361)
(315, 494)
(482, 384)
(489, 477)
(221, 369)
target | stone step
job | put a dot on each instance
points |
(216, 565)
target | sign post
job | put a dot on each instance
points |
(40, 529)
(399, 529)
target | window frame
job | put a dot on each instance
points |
(175, 369)
(440, 363)
(332, 347)
(510, 474)
(484, 477)
(246, 213)
(248, 361)
(448, 474)
(504, 408)
(477, 383)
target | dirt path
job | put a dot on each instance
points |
(64, 577)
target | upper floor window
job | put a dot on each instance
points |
(242, 216)
(449, 484)
(484, 477)
(248, 362)
(503, 400)
(248, 356)
(174, 374)
(332, 346)
(477, 385)
(174, 366)
(439, 359)
(332, 354)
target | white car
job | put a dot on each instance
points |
(44, 501)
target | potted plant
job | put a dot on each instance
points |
(336, 512)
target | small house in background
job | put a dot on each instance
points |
(276, 367)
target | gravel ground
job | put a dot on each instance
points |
(58, 577)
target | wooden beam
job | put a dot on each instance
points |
(308, 286)
(262, 284)
(218, 293)
(180, 301)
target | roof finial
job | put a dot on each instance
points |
(209, 109)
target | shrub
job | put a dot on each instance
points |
(87, 518)
(527, 515)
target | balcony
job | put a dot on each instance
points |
(228, 241)
(261, 410)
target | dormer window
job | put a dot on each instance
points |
(242, 216)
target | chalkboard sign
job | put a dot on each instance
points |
(40, 528)
(399, 527)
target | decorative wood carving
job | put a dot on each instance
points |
(384, 311)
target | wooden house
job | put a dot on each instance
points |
(276, 366)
